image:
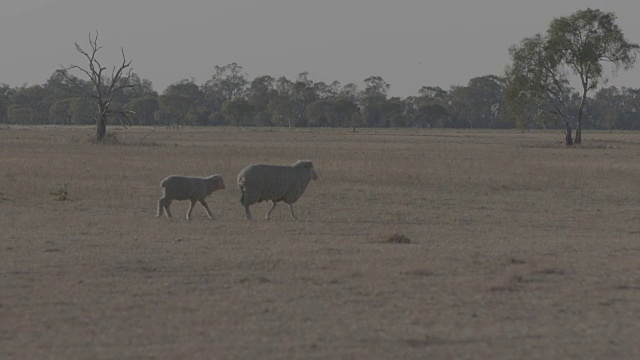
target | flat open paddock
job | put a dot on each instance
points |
(519, 247)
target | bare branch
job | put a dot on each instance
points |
(147, 134)
(116, 78)
(123, 115)
(81, 69)
(77, 87)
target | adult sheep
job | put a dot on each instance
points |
(188, 188)
(261, 182)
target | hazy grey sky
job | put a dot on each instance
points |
(408, 43)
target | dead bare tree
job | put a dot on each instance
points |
(103, 87)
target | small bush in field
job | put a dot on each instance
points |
(62, 194)
(398, 238)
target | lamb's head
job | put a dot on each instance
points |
(214, 182)
(307, 166)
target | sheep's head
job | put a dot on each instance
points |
(308, 166)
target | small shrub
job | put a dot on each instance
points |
(110, 138)
(398, 238)
(62, 194)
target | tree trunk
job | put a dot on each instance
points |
(580, 112)
(579, 125)
(568, 138)
(101, 127)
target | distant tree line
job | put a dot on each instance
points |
(534, 92)
(231, 98)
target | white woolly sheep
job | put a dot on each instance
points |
(188, 188)
(260, 182)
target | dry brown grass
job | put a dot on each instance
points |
(519, 247)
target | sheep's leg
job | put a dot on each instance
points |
(247, 212)
(206, 208)
(160, 208)
(292, 214)
(192, 202)
(270, 210)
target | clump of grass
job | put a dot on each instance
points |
(110, 138)
(62, 193)
(398, 238)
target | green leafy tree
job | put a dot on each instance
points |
(83, 112)
(60, 111)
(350, 92)
(393, 113)
(349, 99)
(29, 106)
(584, 41)
(283, 111)
(459, 107)
(373, 101)
(302, 93)
(259, 94)
(485, 94)
(432, 115)
(176, 101)
(316, 113)
(238, 111)
(141, 88)
(326, 91)
(198, 115)
(335, 112)
(261, 91)
(536, 86)
(631, 109)
(6, 94)
(432, 93)
(144, 107)
(227, 82)
(430, 107)
(25, 115)
(289, 104)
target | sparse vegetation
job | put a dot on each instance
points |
(62, 193)
(398, 238)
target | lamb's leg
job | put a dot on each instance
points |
(206, 208)
(292, 214)
(247, 212)
(160, 208)
(165, 206)
(191, 203)
(270, 210)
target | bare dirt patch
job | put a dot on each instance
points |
(518, 248)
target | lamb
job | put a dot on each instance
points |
(188, 188)
(261, 182)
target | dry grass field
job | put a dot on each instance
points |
(412, 244)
